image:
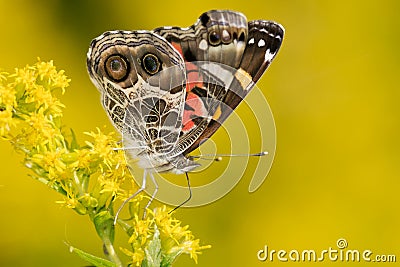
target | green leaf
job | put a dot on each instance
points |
(73, 144)
(96, 261)
(153, 251)
(170, 258)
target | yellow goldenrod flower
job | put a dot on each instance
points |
(168, 226)
(103, 146)
(90, 177)
(44, 100)
(7, 101)
(6, 120)
(42, 130)
(193, 248)
(3, 76)
(48, 73)
(137, 257)
(26, 77)
(52, 162)
(7, 95)
(79, 159)
(142, 230)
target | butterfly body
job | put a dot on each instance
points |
(170, 89)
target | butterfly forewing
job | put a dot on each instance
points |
(214, 91)
(265, 39)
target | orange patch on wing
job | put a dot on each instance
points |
(197, 110)
(194, 78)
(178, 47)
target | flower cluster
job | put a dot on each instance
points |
(31, 120)
(163, 238)
(89, 176)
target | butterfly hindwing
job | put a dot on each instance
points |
(143, 80)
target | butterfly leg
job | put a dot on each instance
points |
(132, 196)
(153, 195)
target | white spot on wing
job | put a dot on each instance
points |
(203, 45)
(268, 56)
(271, 34)
(261, 43)
(225, 34)
(251, 41)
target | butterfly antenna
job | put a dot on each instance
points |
(218, 157)
(190, 195)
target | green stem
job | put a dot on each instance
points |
(104, 223)
(112, 255)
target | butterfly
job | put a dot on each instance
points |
(168, 90)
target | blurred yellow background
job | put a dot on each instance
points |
(334, 92)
